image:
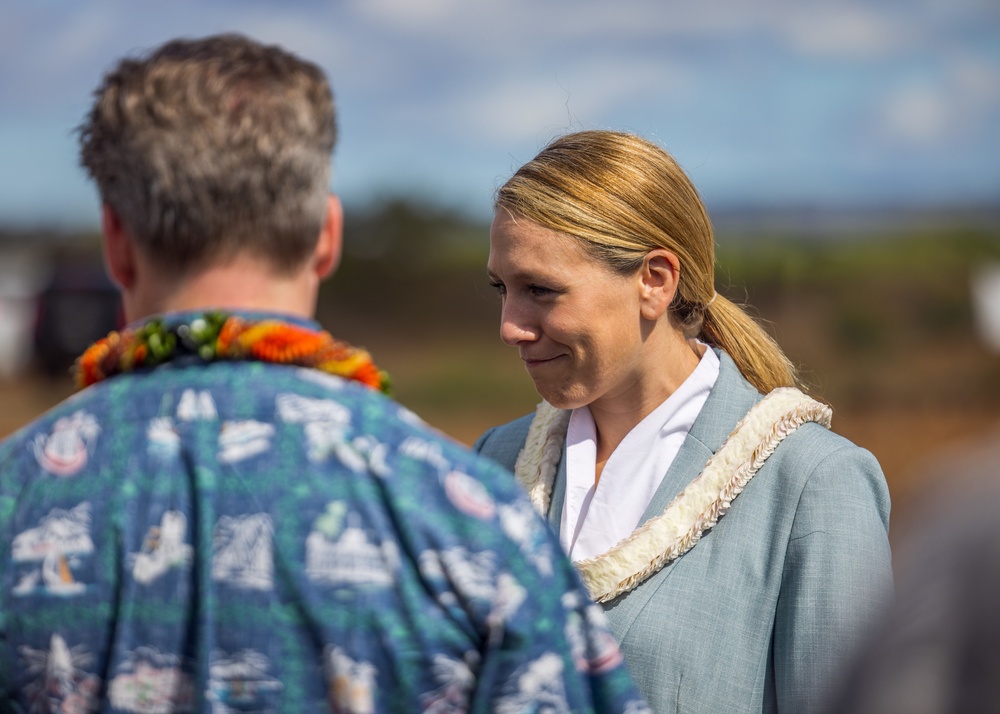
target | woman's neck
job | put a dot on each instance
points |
(616, 415)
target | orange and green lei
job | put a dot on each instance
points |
(219, 336)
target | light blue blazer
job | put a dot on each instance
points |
(763, 613)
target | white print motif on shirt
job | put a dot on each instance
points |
(469, 495)
(507, 600)
(361, 454)
(326, 423)
(240, 682)
(241, 440)
(162, 549)
(296, 409)
(457, 680)
(196, 406)
(594, 648)
(242, 551)
(64, 452)
(410, 417)
(58, 682)
(522, 525)
(163, 440)
(54, 549)
(345, 556)
(150, 681)
(472, 575)
(322, 379)
(427, 451)
(538, 686)
(350, 684)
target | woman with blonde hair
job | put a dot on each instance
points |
(739, 547)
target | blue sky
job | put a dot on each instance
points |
(764, 102)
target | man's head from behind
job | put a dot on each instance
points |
(211, 148)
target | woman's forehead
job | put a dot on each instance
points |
(520, 244)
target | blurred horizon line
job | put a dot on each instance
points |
(809, 218)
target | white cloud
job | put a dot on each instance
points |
(960, 105)
(977, 79)
(530, 107)
(410, 14)
(841, 30)
(321, 38)
(917, 114)
(515, 111)
(438, 88)
(70, 43)
(517, 31)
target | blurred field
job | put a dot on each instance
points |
(464, 389)
(882, 325)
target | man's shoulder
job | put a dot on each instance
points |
(148, 405)
(77, 408)
(272, 424)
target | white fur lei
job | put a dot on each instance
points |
(694, 511)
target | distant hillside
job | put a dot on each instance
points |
(824, 221)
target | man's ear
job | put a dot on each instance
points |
(329, 247)
(659, 277)
(119, 251)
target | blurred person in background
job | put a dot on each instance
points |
(738, 546)
(936, 651)
(231, 516)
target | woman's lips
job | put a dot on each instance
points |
(538, 361)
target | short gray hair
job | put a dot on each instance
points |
(212, 147)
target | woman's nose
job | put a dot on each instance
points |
(515, 325)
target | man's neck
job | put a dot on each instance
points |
(241, 284)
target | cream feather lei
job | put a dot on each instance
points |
(694, 511)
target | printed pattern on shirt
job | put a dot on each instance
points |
(254, 538)
(150, 681)
(64, 450)
(52, 550)
(58, 680)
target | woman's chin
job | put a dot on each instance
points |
(559, 398)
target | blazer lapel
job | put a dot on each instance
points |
(730, 399)
(558, 495)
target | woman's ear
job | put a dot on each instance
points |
(659, 278)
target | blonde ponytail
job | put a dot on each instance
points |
(758, 357)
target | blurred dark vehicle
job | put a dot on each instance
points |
(79, 305)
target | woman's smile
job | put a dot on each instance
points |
(539, 361)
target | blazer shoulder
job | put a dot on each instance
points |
(814, 443)
(818, 461)
(504, 443)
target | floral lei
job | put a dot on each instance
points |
(668, 536)
(216, 336)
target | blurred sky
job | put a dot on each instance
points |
(764, 102)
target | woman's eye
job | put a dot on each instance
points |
(539, 291)
(499, 287)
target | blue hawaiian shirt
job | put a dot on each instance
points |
(253, 537)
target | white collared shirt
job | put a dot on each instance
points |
(594, 519)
